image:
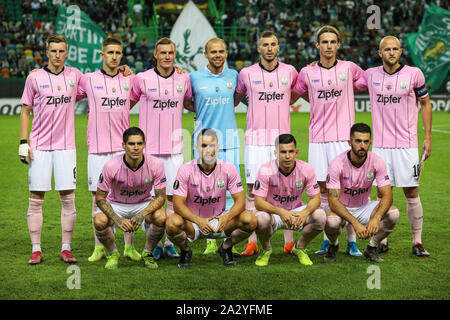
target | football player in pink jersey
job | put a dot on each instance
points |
(51, 93)
(124, 198)
(329, 85)
(349, 183)
(108, 92)
(162, 93)
(268, 85)
(395, 90)
(200, 200)
(278, 193)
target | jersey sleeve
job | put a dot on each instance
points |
(419, 84)
(105, 179)
(188, 93)
(160, 181)
(301, 86)
(261, 185)
(381, 176)
(136, 91)
(359, 77)
(234, 180)
(81, 91)
(334, 176)
(29, 91)
(241, 87)
(311, 187)
(181, 184)
(294, 75)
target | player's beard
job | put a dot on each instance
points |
(391, 64)
(360, 153)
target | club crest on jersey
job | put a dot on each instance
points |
(148, 181)
(208, 189)
(126, 87)
(113, 90)
(329, 82)
(166, 92)
(220, 184)
(389, 87)
(403, 85)
(342, 77)
(299, 185)
(229, 85)
(270, 84)
(217, 89)
(284, 81)
(59, 88)
(179, 88)
(369, 176)
(71, 83)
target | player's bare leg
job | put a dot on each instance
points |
(106, 237)
(177, 229)
(34, 221)
(68, 220)
(154, 234)
(264, 231)
(168, 250)
(333, 229)
(99, 251)
(252, 246)
(414, 210)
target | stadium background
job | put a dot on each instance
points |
(22, 36)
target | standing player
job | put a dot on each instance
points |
(124, 198)
(108, 92)
(329, 85)
(212, 90)
(268, 86)
(349, 183)
(278, 193)
(51, 93)
(394, 90)
(199, 201)
(162, 93)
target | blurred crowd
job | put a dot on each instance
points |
(25, 25)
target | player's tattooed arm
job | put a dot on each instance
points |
(105, 206)
(334, 193)
(157, 203)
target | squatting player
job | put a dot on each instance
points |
(278, 193)
(329, 85)
(349, 182)
(199, 201)
(51, 93)
(162, 93)
(212, 91)
(124, 198)
(268, 86)
(108, 92)
(394, 90)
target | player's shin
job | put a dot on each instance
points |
(414, 210)
(169, 212)
(153, 236)
(387, 225)
(180, 240)
(68, 218)
(94, 212)
(107, 239)
(34, 220)
(312, 228)
(333, 228)
(246, 225)
(264, 230)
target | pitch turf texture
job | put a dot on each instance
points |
(401, 276)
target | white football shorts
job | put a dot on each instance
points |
(96, 162)
(255, 157)
(321, 154)
(401, 165)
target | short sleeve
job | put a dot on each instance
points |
(181, 183)
(261, 185)
(105, 179)
(294, 75)
(359, 77)
(234, 180)
(188, 93)
(29, 91)
(311, 187)
(241, 87)
(419, 84)
(334, 176)
(160, 181)
(301, 86)
(136, 91)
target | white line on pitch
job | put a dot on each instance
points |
(442, 131)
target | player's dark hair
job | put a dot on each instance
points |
(164, 41)
(110, 41)
(207, 132)
(361, 128)
(133, 131)
(285, 138)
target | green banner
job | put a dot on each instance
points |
(430, 46)
(84, 38)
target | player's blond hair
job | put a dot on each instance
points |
(214, 40)
(111, 41)
(56, 38)
(328, 28)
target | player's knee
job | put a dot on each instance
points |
(333, 223)
(319, 219)
(100, 221)
(411, 192)
(393, 214)
(159, 218)
(248, 221)
(174, 224)
(264, 220)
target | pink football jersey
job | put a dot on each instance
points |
(53, 98)
(125, 185)
(109, 109)
(285, 191)
(331, 98)
(393, 98)
(355, 183)
(161, 109)
(205, 193)
(269, 94)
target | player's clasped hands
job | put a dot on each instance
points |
(125, 225)
(204, 225)
(298, 219)
(286, 217)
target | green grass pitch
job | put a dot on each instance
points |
(401, 276)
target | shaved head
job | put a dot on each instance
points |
(388, 39)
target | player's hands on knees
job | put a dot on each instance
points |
(373, 226)
(360, 230)
(25, 153)
(137, 221)
(204, 225)
(223, 221)
(299, 219)
(286, 217)
(124, 224)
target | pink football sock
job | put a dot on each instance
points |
(153, 236)
(68, 217)
(169, 212)
(415, 214)
(34, 219)
(107, 239)
(387, 225)
(94, 212)
(288, 236)
(333, 228)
